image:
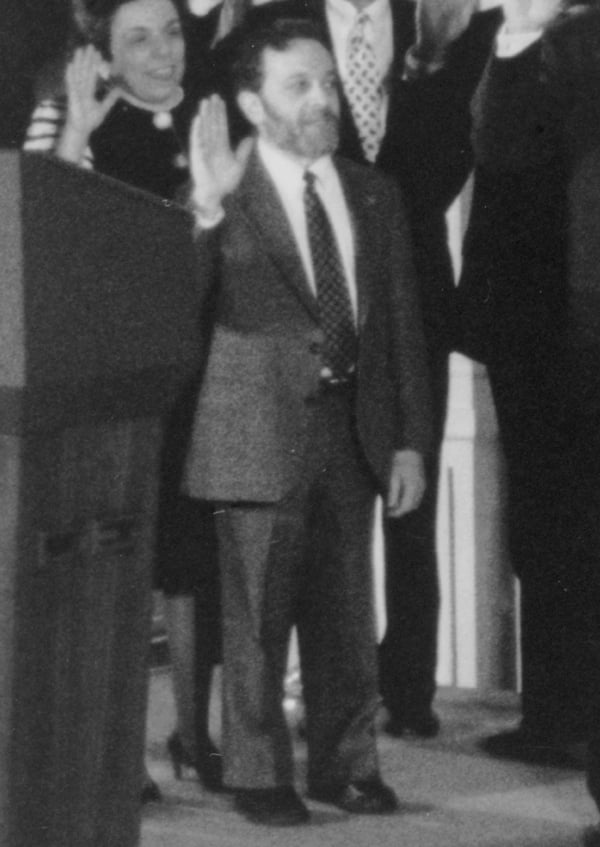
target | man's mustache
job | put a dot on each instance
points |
(326, 115)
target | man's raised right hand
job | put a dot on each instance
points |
(216, 169)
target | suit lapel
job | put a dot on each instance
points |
(258, 200)
(403, 16)
(261, 205)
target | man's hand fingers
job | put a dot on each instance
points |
(243, 151)
(406, 485)
(407, 498)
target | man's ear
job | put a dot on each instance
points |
(251, 106)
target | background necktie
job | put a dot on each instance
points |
(332, 292)
(363, 88)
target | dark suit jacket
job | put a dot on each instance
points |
(426, 147)
(532, 252)
(265, 358)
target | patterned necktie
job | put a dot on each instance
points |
(363, 89)
(332, 292)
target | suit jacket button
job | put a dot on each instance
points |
(316, 348)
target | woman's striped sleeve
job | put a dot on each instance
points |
(45, 128)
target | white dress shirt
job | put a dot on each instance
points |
(341, 17)
(288, 176)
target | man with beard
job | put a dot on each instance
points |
(408, 71)
(314, 399)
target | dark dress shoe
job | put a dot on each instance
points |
(529, 747)
(279, 806)
(362, 797)
(423, 725)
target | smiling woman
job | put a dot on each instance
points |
(145, 51)
(124, 113)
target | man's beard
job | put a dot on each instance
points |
(310, 137)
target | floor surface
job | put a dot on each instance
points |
(453, 794)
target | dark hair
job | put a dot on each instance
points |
(92, 20)
(251, 42)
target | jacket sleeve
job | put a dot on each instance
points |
(45, 128)
(407, 340)
(521, 104)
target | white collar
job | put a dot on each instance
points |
(172, 103)
(347, 11)
(285, 169)
(202, 7)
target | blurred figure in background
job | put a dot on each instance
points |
(125, 114)
(530, 293)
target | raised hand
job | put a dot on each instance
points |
(216, 169)
(438, 24)
(85, 112)
(530, 15)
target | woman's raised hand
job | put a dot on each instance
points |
(85, 112)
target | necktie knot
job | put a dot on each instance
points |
(358, 32)
(309, 179)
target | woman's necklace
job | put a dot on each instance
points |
(162, 120)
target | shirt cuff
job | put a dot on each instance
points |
(203, 220)
(407, 457)
(509, 44)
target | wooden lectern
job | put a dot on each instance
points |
(98, 331)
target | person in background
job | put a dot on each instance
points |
(408, 72)
(125, 114)
(530, 294)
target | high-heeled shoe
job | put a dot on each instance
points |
(180, 757)
(208, 765)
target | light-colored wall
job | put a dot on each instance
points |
(478, 620)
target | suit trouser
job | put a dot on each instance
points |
(303, 561)
(554, 539)
(408, 652)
